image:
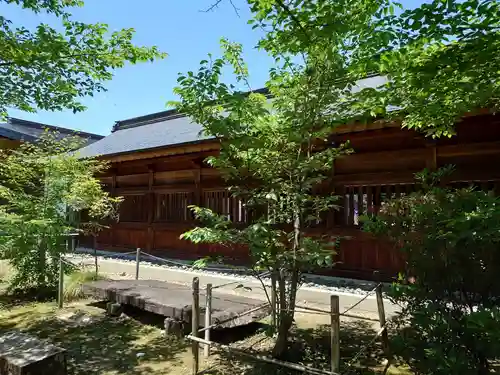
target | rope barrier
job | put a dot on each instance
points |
(219, 323)
(225, 269)
(239, 281)
(363, 349)
(70, 263)
(361, 300)
(106, 254)
(129, 253)
(259, 357)
(307, 311)
(165, 260)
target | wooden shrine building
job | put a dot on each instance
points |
(15, 131)
(157, 166)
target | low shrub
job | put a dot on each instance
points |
(74, 281)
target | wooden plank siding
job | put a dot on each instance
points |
(158, 187)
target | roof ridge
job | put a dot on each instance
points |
(168, 114)
(133, 122)
(39, 125)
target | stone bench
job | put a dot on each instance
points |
(22, 354)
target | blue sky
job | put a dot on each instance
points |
(179, 28)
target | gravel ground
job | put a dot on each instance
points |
(327, 283)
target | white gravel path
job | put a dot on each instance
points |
(324, 283)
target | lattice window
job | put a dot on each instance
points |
(222, 202)
(366, 200)
(134, 208)
(174, 206)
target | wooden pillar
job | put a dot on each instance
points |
(350, 217)
(330, 223)
(151, 201)
(113, 193)
(361, 209)
(431, 161)
(197, 195)
(369, 200)
(342, 212)
(197, 184)
(397, 191)
(377, 199)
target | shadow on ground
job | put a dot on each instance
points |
(311, 347)
(103, 345)
(24, 297)
(229, 335)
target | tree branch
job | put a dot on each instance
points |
(294, 19)
(8, 63)
(216, 5)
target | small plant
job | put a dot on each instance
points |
(74, 281)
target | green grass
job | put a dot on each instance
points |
(105, 346)
(73, 284)
(98, 344)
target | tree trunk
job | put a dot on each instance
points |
(287, 305)
(286, 312)
(95, 255)
(484, 366)
(42, 263)
(284, 321)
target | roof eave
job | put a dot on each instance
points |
(151, 149)
(16, 136)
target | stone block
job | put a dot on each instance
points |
(22, 354)
(114, 309)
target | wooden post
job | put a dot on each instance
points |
(137, 262)
(273, 301)
(381, 315)
(195, 316)
(208, 318)
(151, 208)
(113, 194)
(335, 333)
(95, 254)
(60, 291)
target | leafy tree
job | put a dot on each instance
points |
(441, 59)
(274, 160)
(42, 186)
(450, 313)
(50, 69)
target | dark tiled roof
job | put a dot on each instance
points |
(156, 130)
(29, 131)
(163, 129)
(145, 133)
(165, 115)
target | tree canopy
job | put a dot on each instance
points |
(439, 61)
(43, 188)
(274, 158)
(51, 68)
(440, 58)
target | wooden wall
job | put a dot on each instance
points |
(157, 191)
(7, 144)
